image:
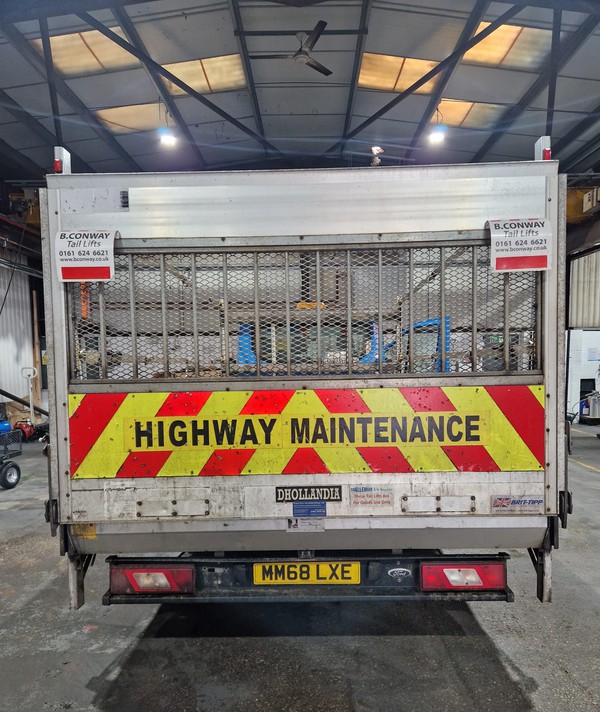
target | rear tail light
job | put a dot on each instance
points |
(463, 576)
(154, 579)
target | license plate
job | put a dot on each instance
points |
(307, 572)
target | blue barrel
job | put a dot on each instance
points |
(5, 426)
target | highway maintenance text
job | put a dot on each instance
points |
(353, 430)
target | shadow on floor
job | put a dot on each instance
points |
(334, 657)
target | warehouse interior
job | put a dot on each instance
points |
(184, 85)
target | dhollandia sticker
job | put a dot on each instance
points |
(306, 432)
(332, 493)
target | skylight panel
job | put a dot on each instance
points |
(87, 53)
(511, 46)
(130, 119)
(467, 114)
(389, 73)
(209, 75)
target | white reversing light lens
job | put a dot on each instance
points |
(463, 577)
(151, 580)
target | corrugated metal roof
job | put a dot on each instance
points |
(294, 112)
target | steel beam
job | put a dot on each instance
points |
(47, 49)
(25, 118)
(476, 16)
(556, 26)
(590, 7)
(134, 38)
(149, 62)
(577, 131)
(293, 33)
(26, 164)
(457, 54)
(360, 44)
(22, 10)
(239, 31)
(568, 49)
(28, 53)
(580, 155)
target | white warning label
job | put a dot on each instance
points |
(371, 496)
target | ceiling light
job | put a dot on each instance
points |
(437, 135)
(376, 151)
(167, 138)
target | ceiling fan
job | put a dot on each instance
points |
(302, 56)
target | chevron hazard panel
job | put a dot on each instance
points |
(321, 431)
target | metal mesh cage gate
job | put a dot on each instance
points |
(289, 313)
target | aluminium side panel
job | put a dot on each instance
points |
(233, 206)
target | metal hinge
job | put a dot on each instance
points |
(51, 514)
(565, 506)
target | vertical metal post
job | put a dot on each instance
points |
(75, 367)
(195, 315)
(318, 290)
(474, 295)
(225, 316)
(102, 337)
(400, 313)
(506, 321)
(134, 356)
(349, 310)
(256, 315)
(411, 317)
(75, 575)
(380, 310)
(538, 319)
(443, 323)
(288, 325)
(165, 325)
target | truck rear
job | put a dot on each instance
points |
(301, 385)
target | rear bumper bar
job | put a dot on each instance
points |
(383, 576)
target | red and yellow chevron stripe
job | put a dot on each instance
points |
(320, 431)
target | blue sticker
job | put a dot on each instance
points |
(317, 508)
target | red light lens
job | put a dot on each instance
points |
(58, 165)
(546, 154)
(463, 576)
(152, 579)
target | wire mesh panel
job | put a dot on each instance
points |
(284, 313)
(522, 310)
(85, 330)
(10, 444)
(207, 313)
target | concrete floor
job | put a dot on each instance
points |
(312, 658)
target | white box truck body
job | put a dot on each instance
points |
(290, 385)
